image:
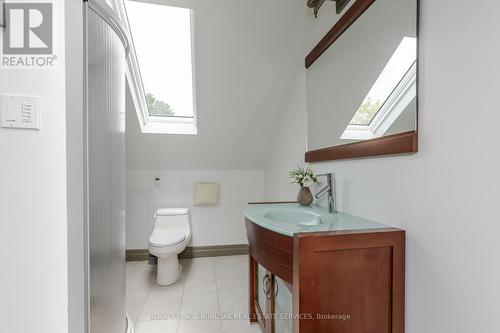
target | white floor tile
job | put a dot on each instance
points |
(197, 305)
(156, 326)
(233, 303)
(231, 265)
(129, 266)
(208, 287)
(235, 283)
(199, 276)
(162, 302)
(200, 326)
(140, 278)
(240, 326)
(137, 292)
(134, 308)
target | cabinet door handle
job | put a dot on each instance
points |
(269, 282)
(264, 285)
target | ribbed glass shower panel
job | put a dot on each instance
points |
(106, 175)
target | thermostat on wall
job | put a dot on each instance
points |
(20, 112)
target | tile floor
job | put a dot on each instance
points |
(208, 287)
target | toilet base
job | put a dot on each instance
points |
(169, 270)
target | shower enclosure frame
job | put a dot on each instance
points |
(101, 10)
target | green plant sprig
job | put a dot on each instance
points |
(304, 176)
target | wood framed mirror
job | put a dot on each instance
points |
(362, 83)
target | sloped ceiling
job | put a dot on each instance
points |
(248, 54)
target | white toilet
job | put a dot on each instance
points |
(170, 237)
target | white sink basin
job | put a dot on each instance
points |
(294, 217)
(290, 218)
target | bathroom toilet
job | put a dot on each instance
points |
(171, 234)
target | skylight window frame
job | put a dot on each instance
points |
(400, 50)
(147, 122)
(404, 92)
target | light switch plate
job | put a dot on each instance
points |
(20, 112)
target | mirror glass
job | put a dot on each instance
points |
(364, 86)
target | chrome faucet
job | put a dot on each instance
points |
(329, 189)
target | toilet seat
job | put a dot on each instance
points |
(164, 238)
(171, 235)
(172, 211)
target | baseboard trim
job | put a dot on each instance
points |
(214, 251)
(136, 255)
(195, 252)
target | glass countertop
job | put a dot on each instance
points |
(291, 218)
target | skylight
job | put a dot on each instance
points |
(399, 64)
(161, 67)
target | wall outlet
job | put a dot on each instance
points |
(156, 181)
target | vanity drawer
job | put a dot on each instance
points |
(272, 250)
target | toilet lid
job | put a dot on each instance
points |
(172, 211)
(167, 237)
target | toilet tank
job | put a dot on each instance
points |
(172, 218)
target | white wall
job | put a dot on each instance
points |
(446, 196)
(222, 225)
(33, 224)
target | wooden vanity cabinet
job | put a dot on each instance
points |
(340, 281)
